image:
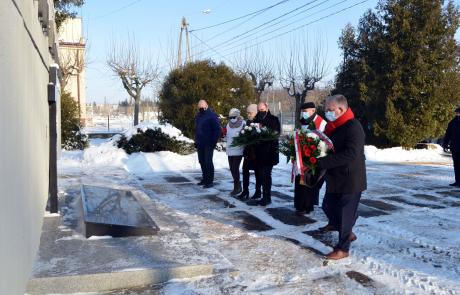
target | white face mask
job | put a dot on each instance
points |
(330, 116)
(304, 115)
(234, 120)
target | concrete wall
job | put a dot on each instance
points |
(24, 143)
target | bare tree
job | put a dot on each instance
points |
(135, 70)
(302, 70)
(258, 66)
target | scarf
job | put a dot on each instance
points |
(332, 125)
(237, 124)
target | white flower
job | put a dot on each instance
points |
(250, 129)
(246, 127)
(312, 135)
(258, 130)
(264, 128)
(253, 124)
(242, 132)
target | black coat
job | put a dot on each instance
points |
(346, 168)
(267, 153)
(452, 137)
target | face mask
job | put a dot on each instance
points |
(304, 115)
(330, 116)
(261, 114)
(202, 110)
(234, 120)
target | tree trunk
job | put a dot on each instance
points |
(137, 101)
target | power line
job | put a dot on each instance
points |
(213, 49)
(235, 38)
(289, 24)
(267, 22)
(116, 10)
(299, 27)
(238, 18)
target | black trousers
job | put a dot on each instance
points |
(306, 197)
(456, 159)
(247, 166)
(205, 154)
(234, 164)
(264, 174)
(342, 212)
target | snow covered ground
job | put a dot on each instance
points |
(408, 230)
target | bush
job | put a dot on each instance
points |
(218, 84)
(154, 140)
(71, 136)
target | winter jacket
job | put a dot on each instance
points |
(231, 133)
(207, 129)
(452, 137)
(267, 153)
(346, 168)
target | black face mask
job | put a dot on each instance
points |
(202, 110)
(261, 114)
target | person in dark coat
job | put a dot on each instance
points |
(267, 154)
(306, 197)
(207, 133)
(452, 142)
(249, 160)
(345, 175)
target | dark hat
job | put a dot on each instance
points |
(308, 105)
(457, 110)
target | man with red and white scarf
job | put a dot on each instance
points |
(346, 173)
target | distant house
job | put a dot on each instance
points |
(72, 65)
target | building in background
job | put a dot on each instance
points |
(72, 47)
(27, 53)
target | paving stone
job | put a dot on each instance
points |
(282, 196)
(376, 190)
(218, 200)
(240, 219)
(288, 216)
(174, 179)
(380, 205)
(367, 212)
(454, 193)
(426, 197)
(422, 205)
(298, 243)
(179, 188)
(361, 278)
(327, 238)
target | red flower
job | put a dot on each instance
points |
(309, 139)
(313, 160)
(307, 152)
(313, 148)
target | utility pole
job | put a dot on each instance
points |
(184, 27)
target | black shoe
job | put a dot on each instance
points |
(200, 183)
(454, 184)
(236, 189)
(208, 185)
(257, 195)
(243, 196)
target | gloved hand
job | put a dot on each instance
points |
(445, 149)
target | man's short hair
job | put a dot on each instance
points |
(338, 99)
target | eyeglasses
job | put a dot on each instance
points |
(233, 117)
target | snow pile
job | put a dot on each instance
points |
(398, 155)
(105, 153)
(165, 128)
(142, 163)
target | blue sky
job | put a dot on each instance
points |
(155, 25)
